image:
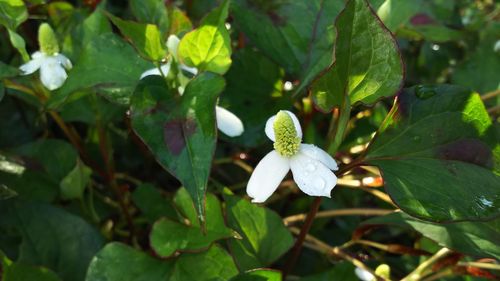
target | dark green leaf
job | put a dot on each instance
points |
(118, 262)
(169, 236)
(208, 47)
(52, 237)
(151, 11)
(74, 183)
(22, 272)
(109, 65)
(259, 275)
(145, 37)
(181, 131)
(152, 204)
(12, 13)
(265, 238)
(435, 151)
(367, 64)
(341, 271)
(298, 35)
(7, 71)
(480, 239)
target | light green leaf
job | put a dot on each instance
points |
(298, 35)
(12, 13)
(208, 47)
(367, 63)
(180, 131)
(438, 154)
(479, 239)
(18, 42)
(169, 236)
(109, 65)
(145, 37)
(265, 238)
(396, 13)
(74, 183)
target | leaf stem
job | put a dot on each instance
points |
(418, 273)
(302, 235)
(336, 213)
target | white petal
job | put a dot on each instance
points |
(192, 70)
(312, 176)
(363, 274)
(267, 176)
(37, 55)
(64, 61)
(319, 154)
(31, 66)
(228, 123)
(172, 44)
(165, 68)
(52, 73)
(270, 129)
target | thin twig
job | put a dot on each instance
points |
(419, 272)
(490, 95)
(337, 213)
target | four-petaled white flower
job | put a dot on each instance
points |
(51, 63)
(227, 122)
(311, 166)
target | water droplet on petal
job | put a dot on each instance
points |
(319, 183)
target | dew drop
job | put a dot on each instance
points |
(424, 92)
(319, 183)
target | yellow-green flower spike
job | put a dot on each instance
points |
(383, 270)
(47, 40)
(287, 142)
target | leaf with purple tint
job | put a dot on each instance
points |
(439, 155)
(180, 130)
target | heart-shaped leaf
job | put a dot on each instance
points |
(439, 156)
(180, 131)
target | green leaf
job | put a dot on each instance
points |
(7, 71)
(179, 22)
(6, 192)
(74, 183)
(341, 271)
(208, 47)
(180, 131)
(169, 236)
(152, 204)
(51, 237)
(22, 272)
(396, 13)
(265, 238)
(367, 63)
(151, 11)
(298, 35)
(145, 37)
(119, 262)
(259, 275)
(480, 69)
(107, 64)
(260, 90)
(55, 157)
(212, 265)
(479, 239)
(12, 13)
(435, 151)
(18, 42)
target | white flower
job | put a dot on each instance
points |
(227, 122)
(51, 63)
(363, 274)
(311, 166)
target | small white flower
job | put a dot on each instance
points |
(311, 166)
(227, 122)
(51, 63)
(363, 274)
